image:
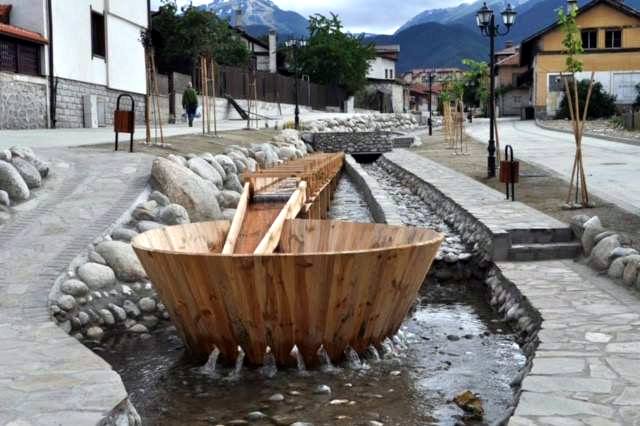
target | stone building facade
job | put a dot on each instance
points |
(23, 101)
(70, 103)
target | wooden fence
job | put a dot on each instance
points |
(276, 88)
(631, 120)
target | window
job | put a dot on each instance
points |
(556, 83)
(19, 56)
(386, 73)
(98, 44)
(589, 39)
(613, 39)
(391, 74)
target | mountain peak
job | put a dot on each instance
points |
(259, 16)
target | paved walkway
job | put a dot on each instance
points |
(585, 371)
(613, 168)
(508, 222)
(48, 138)
(46, 376)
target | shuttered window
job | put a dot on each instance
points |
(19, 57)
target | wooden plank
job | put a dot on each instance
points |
(290, 211)
(238, 219)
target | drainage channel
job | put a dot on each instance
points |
(452, 341)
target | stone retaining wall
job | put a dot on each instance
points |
(472, 231)
(353, 142)
(70, 103)
(382, 208)
(23, 101)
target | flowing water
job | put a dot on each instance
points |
(451, 342)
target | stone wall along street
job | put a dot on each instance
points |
(23, 102)
(70, 103)
(353, 143)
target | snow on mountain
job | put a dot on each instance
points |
(260, 15)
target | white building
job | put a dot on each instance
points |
(385, 91)
(91, 53)
(383, 67)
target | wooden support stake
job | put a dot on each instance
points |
(238, 219)
(213, 93)
(270, 242)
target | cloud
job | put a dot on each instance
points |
(372, 16)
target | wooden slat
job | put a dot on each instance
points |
(290, 211)
(238, 219)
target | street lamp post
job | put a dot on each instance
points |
(296, 44)
(485, 19)
(430, 122)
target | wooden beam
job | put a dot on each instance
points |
(290, 211)
(238, 219)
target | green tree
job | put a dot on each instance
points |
(602, 104)
(476, 83)
(334, 57)
(181, 36)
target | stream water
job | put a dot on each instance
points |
(451, 342)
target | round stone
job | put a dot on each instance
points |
(107, 316)
(96, 276)
(276, 397)
(131, 309)
(95, 333)
(138, 329)
(255, 416)
(74, 288)
(118, 312)
(322, 390)
(67, 302)
(84, 318)
(147, 304)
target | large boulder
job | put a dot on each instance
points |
(601, 254)
(12, 182)
(174, 214)
(230, 199)
(187, 189)
(616, 270)
(209, 158)
(227, 164)
(122, 259)
(96, 276)
(23, 152)
(28, 171)
(232, 183)
(178, 159)
(41, 166)
(631, 268)
(577, 224)
(592, 228)
(203, 169)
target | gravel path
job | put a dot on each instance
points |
(88, 190)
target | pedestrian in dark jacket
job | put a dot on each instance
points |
(190, 103)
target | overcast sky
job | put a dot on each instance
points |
(373, 16)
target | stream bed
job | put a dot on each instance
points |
(451, 342)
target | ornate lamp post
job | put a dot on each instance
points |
(295, 45)
(485, 19)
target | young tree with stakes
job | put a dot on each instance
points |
(572, 43)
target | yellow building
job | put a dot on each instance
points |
(611, 41)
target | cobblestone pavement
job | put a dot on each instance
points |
(612, 168)
(47, 377)
(585, 371)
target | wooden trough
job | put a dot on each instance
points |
(268, 279)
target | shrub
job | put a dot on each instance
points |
(602, 104)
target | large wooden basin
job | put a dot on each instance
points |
(330, 283)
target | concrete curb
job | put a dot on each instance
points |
(382, 208)
(616, 139)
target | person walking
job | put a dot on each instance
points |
(190, 103)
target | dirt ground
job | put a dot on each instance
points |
(197, 144)
(537, 188)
